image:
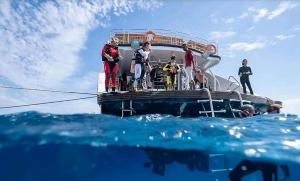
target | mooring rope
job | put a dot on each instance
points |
(47, 90)
(49, 102)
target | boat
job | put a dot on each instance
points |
(222, 97)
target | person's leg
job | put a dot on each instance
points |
(137, 74)
(243, 82)
(107, 75)
(142, 78)
(201, 85)
(249, 86)
(114, 76)
(189, 77)
(168, 82)
(172, 81)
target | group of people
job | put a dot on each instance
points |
(141, 68)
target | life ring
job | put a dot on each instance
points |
(212, 48)
(150, 36)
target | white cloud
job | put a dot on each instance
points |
(40, 43)
(291, 106)
(281, 8)
(221, 34)
(213, 18)
(251, 28)
(244, 15)
(229, 20)
(296, 28)
(258, 13)
(246, 46)
(264, 13)
(284, 37)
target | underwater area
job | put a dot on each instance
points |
(39, 146)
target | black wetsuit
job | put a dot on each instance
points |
(245, 71)
(139, 59)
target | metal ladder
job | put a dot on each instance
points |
(212, 111)
(237, 100)
(240, 98)
(130, 109)
(233, 111)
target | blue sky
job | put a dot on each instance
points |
(56, 44)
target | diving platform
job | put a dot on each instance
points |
(185, 103)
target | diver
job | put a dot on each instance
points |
(171, 68)
(141, 59)
(244, 73)
(247, 110)
(110, 57)
(201, 79)
(275, 108)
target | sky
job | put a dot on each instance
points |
(56, 44)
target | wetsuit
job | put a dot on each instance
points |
(111, 68)
(244, 73)
(141, 59)
(171, 73)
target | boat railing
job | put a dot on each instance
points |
(234, 82)
(162, 36)
(210, 102)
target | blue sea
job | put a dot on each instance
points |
(40, 147)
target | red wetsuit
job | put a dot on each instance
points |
(111, 68)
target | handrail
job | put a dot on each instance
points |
(163, 36)
(240, 97)
(236, 81)
(214, 80)
(210, 101)
(163, 32)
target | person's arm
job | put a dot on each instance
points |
(144, 53)
(240, 72)
(166, 67)
(109, 58)
(250, 71)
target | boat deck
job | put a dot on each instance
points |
(177, 103)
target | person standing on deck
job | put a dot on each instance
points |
(201, 79)
(141, 58)
(172, 69)
(189, 65)
(244, 73)
(110, 57)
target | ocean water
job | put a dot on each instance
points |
(42, 147)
